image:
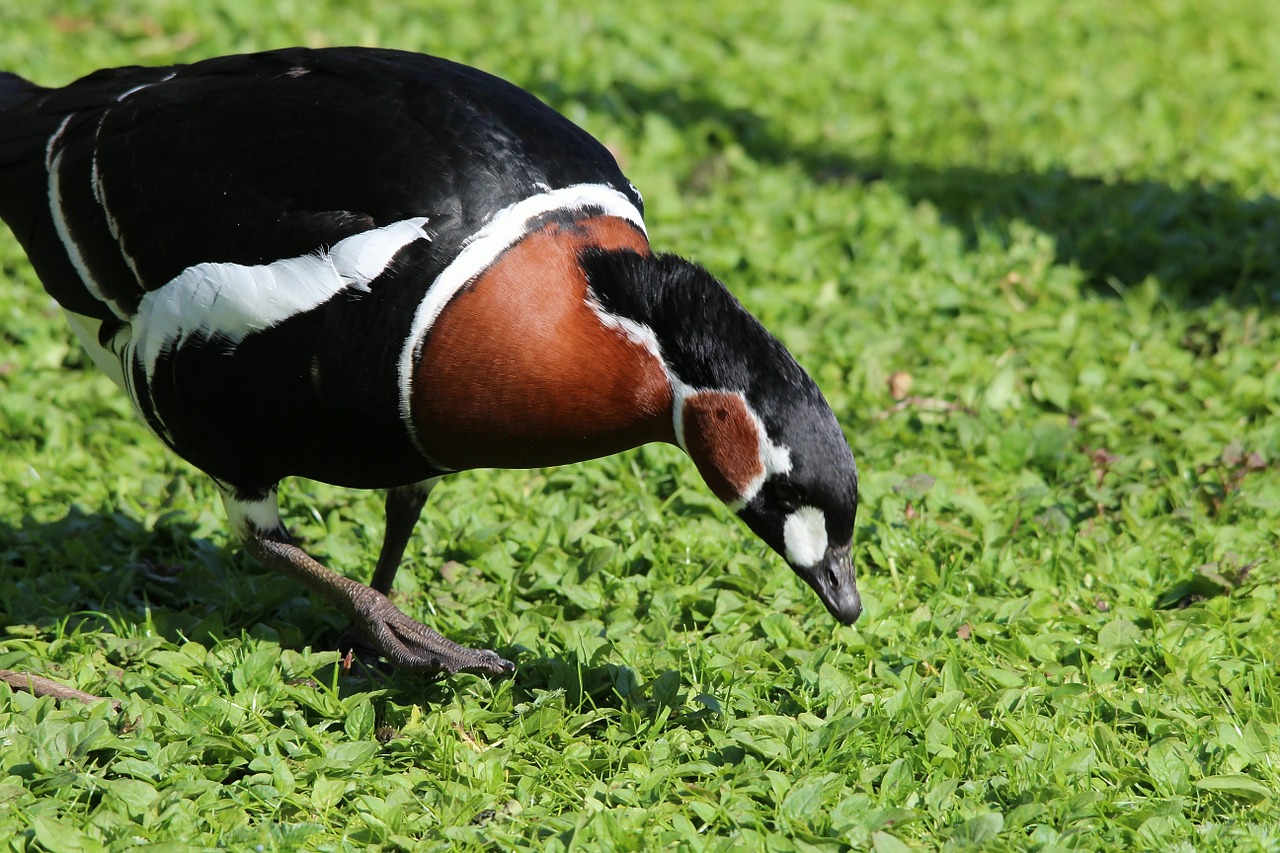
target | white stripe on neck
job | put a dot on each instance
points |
(774, 458)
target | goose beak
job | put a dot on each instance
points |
(834, 580)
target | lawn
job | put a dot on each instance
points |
(1030, 251)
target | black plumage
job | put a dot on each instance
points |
(267, 156)
(259, 247)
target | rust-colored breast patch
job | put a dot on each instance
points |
(723, 440)
(519, 371)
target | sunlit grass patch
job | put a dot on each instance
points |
(1028, 250)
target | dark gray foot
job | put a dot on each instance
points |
(408, 644)
(402, 641)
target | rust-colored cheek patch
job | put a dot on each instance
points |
(723, 441)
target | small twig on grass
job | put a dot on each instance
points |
(929, 404)
(41, 686)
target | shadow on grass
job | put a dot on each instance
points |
(600, 686)
(109, 571)
(1199, 242)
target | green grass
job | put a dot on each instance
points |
(1060, 220)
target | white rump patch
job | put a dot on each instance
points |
(805, 536)
(251, 518)
(108, 361)
(233, 301)
(504, 230)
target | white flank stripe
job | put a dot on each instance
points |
(504, 230)
(805, 536)
(53, 143)
(232, 301)
(53, 164)
(100, 194)
(126, 93)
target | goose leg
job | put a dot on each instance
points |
(405, 642)
(403, 507)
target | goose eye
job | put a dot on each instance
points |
(785, 495)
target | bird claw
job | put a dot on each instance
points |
(403, 642)
(408, 644)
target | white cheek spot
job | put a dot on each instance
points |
(805, 536)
